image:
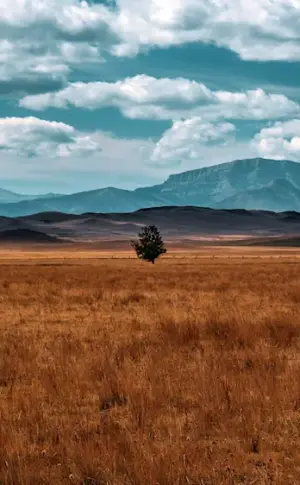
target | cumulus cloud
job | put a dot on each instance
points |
(141, 90)
(22, 70)
(120, 162)
(31, 69)
(80, 32)
(41, 41)
(62, 18)
(185, 140)
(146, 97)
(280, 140)
(32, 137)
(260, 29)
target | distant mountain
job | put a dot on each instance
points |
(8, 197)
(248, 184)
(245, 184)
(278, 195)
(103, 200)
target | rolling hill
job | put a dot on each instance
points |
(176, 224)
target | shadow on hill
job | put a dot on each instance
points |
(26, 235)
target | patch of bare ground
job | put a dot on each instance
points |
(117, 372)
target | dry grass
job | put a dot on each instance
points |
(116, 372)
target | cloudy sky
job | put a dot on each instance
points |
(125, 92)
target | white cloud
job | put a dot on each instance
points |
(79, 32)
(27, 68)
(280, 140)
(63, 16)
(260, 29)
(31, 137)
(40, 41)
(185, 140)
(141, 90)
(146, 97)
(120, 162)
(25, 72)
(124, 163)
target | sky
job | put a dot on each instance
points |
(126, 92)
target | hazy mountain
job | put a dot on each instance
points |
(9, 197)
(250, 184)
(6, 196)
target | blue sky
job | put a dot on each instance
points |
(126, 92)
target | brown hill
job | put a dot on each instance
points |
(26, 236)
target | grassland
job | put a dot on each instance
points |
(117, 372)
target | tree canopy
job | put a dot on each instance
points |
(150, 244)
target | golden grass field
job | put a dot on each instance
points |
(118, 372)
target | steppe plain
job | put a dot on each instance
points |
(114, 371)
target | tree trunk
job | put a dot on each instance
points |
(153, 261)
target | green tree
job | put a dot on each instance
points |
(150, 244)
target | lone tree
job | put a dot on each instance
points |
(150, 244)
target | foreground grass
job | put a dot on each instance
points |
(118, 372)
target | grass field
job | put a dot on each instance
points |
(118, 372)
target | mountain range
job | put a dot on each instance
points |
(262, 184)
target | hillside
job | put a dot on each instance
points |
(176, 224)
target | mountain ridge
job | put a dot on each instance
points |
(255, 183)
(10, 197)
